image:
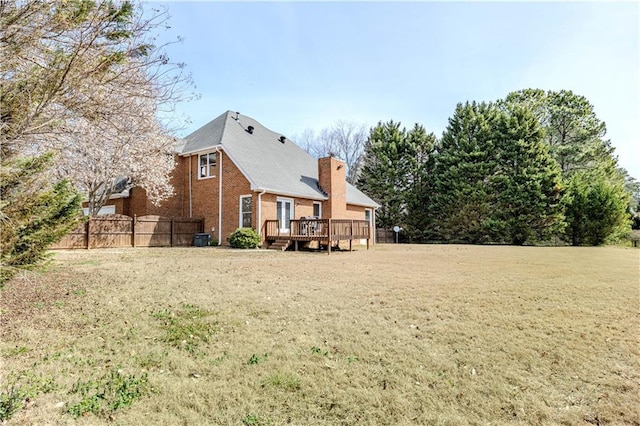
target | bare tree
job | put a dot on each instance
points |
(308, 141)
(344, 139)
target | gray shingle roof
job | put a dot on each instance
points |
(268, 164)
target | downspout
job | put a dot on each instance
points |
(220, 202)
(260, 211)
(190, 191)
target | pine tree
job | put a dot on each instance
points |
(420, 161)
(494, 179)
(382, 176)
(573, 132)
(595, 184)
(462, 199)
(34, 213)
(526, 183)
(596, 207)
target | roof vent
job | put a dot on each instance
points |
(250, 129)
(282, 139)
(237, 117)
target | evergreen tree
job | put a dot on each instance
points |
(595, 184)
(34, 213)
(462, 200)
(494, 179)
(573, 132)
(526, 183)
(596, 207)
(420, 162)
(382, 176)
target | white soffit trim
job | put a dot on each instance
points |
(288, 194)
(201, 151)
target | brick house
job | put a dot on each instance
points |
(234, 172)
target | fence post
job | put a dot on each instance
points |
(172, 223)
(89, 232)
(133, 230)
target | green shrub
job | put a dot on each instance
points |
(244, 238)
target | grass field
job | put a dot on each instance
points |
(441, 335)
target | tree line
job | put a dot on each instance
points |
(532, 168)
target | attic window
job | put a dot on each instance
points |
(207, 164)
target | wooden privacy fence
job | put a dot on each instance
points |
(115, 230)
(385, 236)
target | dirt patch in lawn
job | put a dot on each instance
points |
(393, 335)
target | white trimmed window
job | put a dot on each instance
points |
(317, 210)
(207, 165)
(246, 205)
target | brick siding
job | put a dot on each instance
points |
(332, 180)
(204, 195)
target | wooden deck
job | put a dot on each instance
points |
(322, 230)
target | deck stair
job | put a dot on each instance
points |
(280, 245)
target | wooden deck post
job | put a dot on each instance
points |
(351, 237)
(329, 238)
(368, 236)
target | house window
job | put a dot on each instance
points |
(207, 164)
(246, 204)
(367, 216)
(317, 210)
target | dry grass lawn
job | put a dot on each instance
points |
(436, 335)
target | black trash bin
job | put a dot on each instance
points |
(201, 240)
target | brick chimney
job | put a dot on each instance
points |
(332, 180)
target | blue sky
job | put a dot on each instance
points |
(299, 65)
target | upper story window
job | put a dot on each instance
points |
(207, 164)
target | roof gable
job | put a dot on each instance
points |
(269, 163)
(205, 137)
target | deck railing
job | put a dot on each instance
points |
(319, 230)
